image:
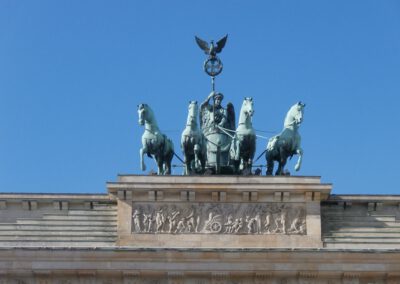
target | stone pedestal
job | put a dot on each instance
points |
(219, 211)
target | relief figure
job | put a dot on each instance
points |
(228, 225)
(180, 228)
(250, 224)
(268, 221)
(136, 221)
(280, 222)
(297, 222)
(172, 220)
(190, 222)
(258, 223)
(160, 221)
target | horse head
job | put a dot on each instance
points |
(145, 113)
(248, 106)
(193, 111)
(247, 111)
(294, 116)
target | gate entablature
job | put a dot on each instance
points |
(219, 211)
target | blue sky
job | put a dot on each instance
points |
(72, 73)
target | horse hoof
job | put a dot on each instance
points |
(297, 168)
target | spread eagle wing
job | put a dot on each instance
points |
(221, 44)
(230, 112)
(202, 44)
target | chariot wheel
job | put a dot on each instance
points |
(216, 227)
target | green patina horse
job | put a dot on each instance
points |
(243, 144)
(154, 143)
(193, 143)
(287, 143)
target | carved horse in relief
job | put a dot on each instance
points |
(243, 144)
(192, 142)
(154, 143)
(287, 143)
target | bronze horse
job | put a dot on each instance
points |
(154, 143)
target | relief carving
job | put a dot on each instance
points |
(219, 218)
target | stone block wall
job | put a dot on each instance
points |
(63, 221)
(364, 222)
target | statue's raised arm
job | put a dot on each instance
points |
(215, 115)
(206, 103)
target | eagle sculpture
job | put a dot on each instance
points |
(212, 49)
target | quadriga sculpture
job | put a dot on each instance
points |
(154, 143)
(243, 144)
(287, 143)
(192, 142)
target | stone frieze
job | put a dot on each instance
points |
(218, 218)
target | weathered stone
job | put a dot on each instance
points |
(98, 238)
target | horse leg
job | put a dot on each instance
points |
(270, 163)
(299, 152)
(246, 167)
(282, 162)
(160, 164)
(279, 169)
(242, 163)
(238, 157)
(250, 165)
(186, 161)
(142, 164)
(252, 150)
(168, 159)
(248, 161)
(167, 165)
(203, 159)
(187, 165)
(197, 163)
